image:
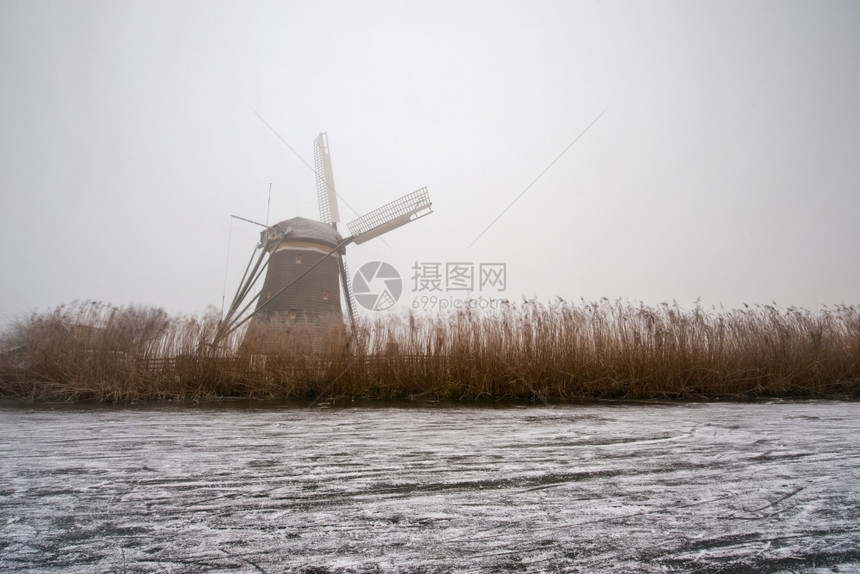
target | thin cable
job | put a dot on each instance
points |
(552, 163)
(286, 143)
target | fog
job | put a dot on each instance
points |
(722, 166)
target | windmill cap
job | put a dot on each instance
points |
(305, 230)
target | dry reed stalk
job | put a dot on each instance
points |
(535, 351)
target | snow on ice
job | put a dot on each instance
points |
(675, 487)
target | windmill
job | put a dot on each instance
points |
(303, 259)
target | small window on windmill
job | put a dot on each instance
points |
(298, 259)
(325, 295)
(293, 314)
(268, 294)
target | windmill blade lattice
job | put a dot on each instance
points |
(347, 290)
(326, 195)
(390, 216)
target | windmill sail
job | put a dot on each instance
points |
(347, 290)
(391, 216)
(326, 195)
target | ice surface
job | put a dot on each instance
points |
(716, 487)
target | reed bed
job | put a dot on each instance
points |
(530, 350)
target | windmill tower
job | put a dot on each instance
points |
(306, 274)
(294, 246)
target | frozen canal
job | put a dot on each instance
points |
(768, 487)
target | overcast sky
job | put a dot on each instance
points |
(726, 165)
